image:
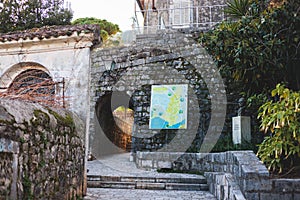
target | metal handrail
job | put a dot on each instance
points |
(183, 17)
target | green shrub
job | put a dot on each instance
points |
(107, 28)
(259, 50)
(239, 8)
(280, 119)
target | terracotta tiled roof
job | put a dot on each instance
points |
(47, 32)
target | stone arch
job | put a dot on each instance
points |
(9, 76)
(105, 106)
(140, 98)
(181, 56)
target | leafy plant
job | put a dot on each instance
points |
(238, 8)
(225, 143)
(107, 28)
(255, 51)
(27, 183)
(281, 120)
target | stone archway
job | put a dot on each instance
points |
(137, 82)
(116, 128)
(166, 58)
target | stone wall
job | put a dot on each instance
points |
(169, 57)
(6, 167)
(41, 151)
(230, 175)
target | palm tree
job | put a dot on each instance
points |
(238, 8)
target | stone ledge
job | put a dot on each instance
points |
(223, 186)
(230, 175)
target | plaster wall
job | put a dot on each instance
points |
(68, 62)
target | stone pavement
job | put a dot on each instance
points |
(119, 165)
(134, 194)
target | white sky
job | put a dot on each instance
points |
(116, 11)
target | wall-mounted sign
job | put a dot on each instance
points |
(168, 108)
(241, 129)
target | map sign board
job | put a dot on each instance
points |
(168, 107)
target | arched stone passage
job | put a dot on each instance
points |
(137, 81)
(166, 58)
(111, 125)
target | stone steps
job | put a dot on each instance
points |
(150, 183)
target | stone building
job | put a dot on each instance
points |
(48, 65)
(60, 53)
(180, 14)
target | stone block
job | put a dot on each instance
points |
(296, 196)
(238, 195)
(207, 167)
(229, 157)
(218, 168)
(146, 164)
(256, 185)
(164, 165)
(208, 158)
(236, 170)
(139, 154)
(276, 196)
(150, 186)
(220, 179)
(283, 185)
(138, 62)
(296, 185)
(219, 157)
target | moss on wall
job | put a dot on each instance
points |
(50, 154)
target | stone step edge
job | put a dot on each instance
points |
(200, 180)
(147, 185)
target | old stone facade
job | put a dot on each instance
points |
(124, 76)
(97, 81)
(61, 52)
(41, 152)
(93, 77)
(41, 149)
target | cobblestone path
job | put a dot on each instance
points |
(119, 165)
(126, 194)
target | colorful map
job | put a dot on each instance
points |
(168, 108)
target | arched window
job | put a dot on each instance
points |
(33, 84)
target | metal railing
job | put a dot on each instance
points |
(188, 17)
(45, 91)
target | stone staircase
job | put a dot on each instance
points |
(157, 182)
